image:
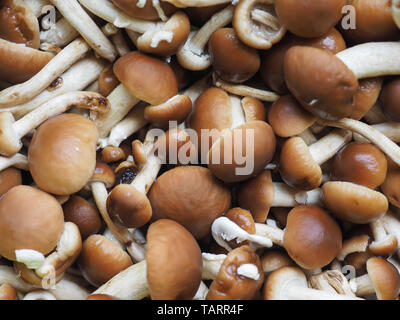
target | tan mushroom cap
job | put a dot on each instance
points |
(297, 166)
(360, 163)
(257, 195)
(101, 296)
(384, 277)
(391, 185)
(312, 237)
(8, 292)
(309, 19)
(231, 59)
(274, 259)
(148, 12)
(62, 153)
(389, 99)
(174, 262)
(288, 118)
(9, 178)
(366, 96)
(190, 195)
(320, 81)
(253, 109)
(352, 202)
(128, 207)
(19, 63)
(147, 78)
(101, 259)
(29, 219)
(107, 81)
(230, 284)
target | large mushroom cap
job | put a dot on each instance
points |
(62, 153)
(29, 219)
(147, 78)
(190, 195)
(174, 262)
(384, 277)
(312, 237)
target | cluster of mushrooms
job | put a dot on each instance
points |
(90, 210)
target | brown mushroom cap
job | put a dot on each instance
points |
(374, 22)
(8, 292)
(148, 12)
(320, 81)
(384, 277)
(253, 109)
(190, 195)
(19, 63)
(297, 166)
(272, 62)
(107, 81)
(174, 262)
(101, 296)
(391, 185)
(274, 259)
(29, 219)
(9, 178)
(352, 202)
(101, 259)
(229, 283)
(366, 96)
(147, 78)
(83, 214)
(128, 207)
(62, 153)
(389, 99)
(288, 118)
(309, 19)
(244, 220)
(232, 60)
(360, 163)
(312, 237)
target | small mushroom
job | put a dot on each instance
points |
(8, 292)
(366, 96)
(273, 259)
(389, 99)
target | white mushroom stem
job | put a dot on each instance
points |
(83, 23)
(18, 160)
(372, 59)
(286, 196)
(389, 129)
(39, 295)
(23, 92)
(120, 44)
(362, 285)
(60, 34)
(77, 78)
(273, 233)
(391, 149)
(375, 115)
(192, 55)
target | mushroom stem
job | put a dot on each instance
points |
(211, 265)
(389, 129)
(362, 285)
(375, 115)
(37, 6)
(391, 225)
(303, 293)
(331, 281)
(60, 34)
(18, 160)
(273, 233)
(196, 3)
(23, 92)
(352, 245)
(39, 295)
(308, 137)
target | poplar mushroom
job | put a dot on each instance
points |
(9, 178)
(146, 10)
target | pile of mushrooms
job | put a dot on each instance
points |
(199, 150)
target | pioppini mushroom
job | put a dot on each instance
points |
(60, 34)
(331, 281)
(389, 129)
(8, 292)
(18, 160)
(384, 243)
(375, 115)
(391, 224)
(146, 10)
(39, 295)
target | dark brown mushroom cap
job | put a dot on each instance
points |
(312, 237)
(128, 207)
(62, 153)
(9, 178)
(148, 12)
(190, 195)
(353, 202)
(320, 81)
(389, 99)
(229, 283)
(8, 292)
(174, 262)
(360, 163)
(309, 19)
(231, 59)
(147, 78)
(384, 277)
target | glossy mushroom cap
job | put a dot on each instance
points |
(389, 99)
(360, 163)
(231, 59)
(107, 81)
(29, 219)
(101, 259)
(148, 12)
(312, 237)
(309, 19)
(244, 220)
(9, 178)
(190, 195)
(62, 153)
(271, 70)
(391, 185)
(239, 278)
(174, 262)
(366, 96)
(147, 78)
(83, 214)
(8, 292)
(288, 118)
(352, 202)
(384, 277)
(320, 81)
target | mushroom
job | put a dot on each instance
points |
(273, 259)
(300, 164)
(383, 279)
(9, 178)
(190, 195)
(244, 220)
(107, 81)
(390, 185)
(257, 24)
(18, 161)
(8, 292)
(239, 278)
(355, 244)
(390, 129)
(61, 34)
(66, 134)
(146, 10)
(309, 20)
(101, 297)
(39, 295)
(331, 281)
(112, 154)
(366, 96)
(391, 224)
(388, 99)
(384, 243)
(12, 131)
